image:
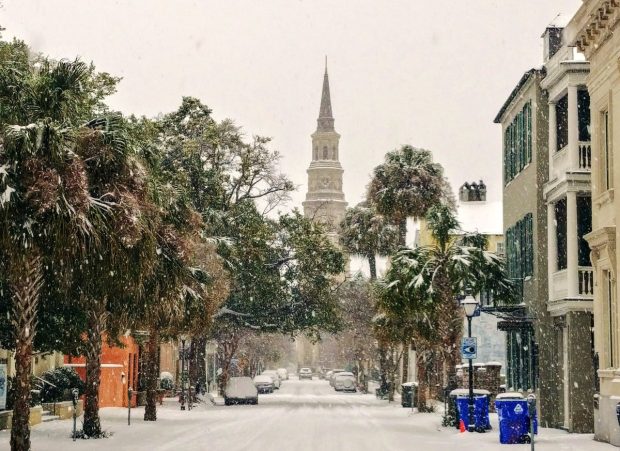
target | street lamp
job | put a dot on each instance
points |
(183, 338)
(470, 305)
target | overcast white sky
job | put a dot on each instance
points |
(427, 73)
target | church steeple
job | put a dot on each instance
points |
(325, 122)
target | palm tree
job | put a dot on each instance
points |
(406, 185)
(44, 200)
(427, 280)
(365, 233)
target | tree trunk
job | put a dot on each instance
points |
(201, 362)
(151, 370)
(96, 328)
(422, 384)
(372, 263)
(402, 232)
(405, 362)
(26, 286)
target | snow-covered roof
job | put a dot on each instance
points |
(482, 217)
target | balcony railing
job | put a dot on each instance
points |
(585, 284)
(586, 281)
(585, 155)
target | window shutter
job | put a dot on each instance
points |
(529, 131)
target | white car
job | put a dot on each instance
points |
(305, 373)
(274, 375)
(332, 377)
(344, 381)
(283, 373)
(264, 383)
(240, 390)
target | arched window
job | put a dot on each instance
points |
(334, 156)
(325, 155)
(316, 153)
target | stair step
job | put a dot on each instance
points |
(46, 418)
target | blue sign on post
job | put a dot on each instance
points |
(469, 348)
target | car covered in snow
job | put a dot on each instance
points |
(305, 373)
(283, 373)
(240, 390)
(274, 376)
(332, 376)
(264, 383)
(344, 381)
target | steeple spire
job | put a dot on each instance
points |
(325, 122)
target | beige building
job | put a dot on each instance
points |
(595, 32)
(569, 219)
(325, 200)
(530, 350)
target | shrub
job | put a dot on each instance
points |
(65, 379)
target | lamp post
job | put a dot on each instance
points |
(183, 338)
(469, 305)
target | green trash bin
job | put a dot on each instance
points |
(408, 394)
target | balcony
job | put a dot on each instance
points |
(585, 284)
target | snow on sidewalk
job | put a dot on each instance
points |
(308, 421)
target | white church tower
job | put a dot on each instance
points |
(325, 199)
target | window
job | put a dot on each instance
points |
(500, 249)
(608, 315)
(606, 151)
(520, 373)
(325, 153)
(584, 226)
(561, 118)
(520, 251)
(583, 113)
(518, 143)
(560, 219)
(316, 153)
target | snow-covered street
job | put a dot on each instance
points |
(302, 415)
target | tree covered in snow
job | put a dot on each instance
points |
(423, 284)
(366, 233)
(46, 207)
(406, 185)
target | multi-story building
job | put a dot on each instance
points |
(569, 218)
(528, 325)
(595, 32)
(325, 201)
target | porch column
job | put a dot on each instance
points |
(571, 243)
(552, 247)
(553, 137)
(573, 128)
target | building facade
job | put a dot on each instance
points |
(594, 31)
(325, 201)
(569, 218)
(528, 325)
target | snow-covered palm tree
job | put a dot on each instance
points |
(425, 281)
(366, 233)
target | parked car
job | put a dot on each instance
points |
(323, 373)
(328, 375)
(264, 383)
(333, 376)
(344, 381)
(283, 373)
(305, 373)
(274, 376)
(240, 390)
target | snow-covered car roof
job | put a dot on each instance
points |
(263, 378)
(344, 373)
(240, 387)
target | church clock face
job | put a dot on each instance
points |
(325, 182)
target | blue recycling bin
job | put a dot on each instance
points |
(514, 421)
(481, 411)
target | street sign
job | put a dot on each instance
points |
(469, 348)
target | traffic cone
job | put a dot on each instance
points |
(461, 426)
